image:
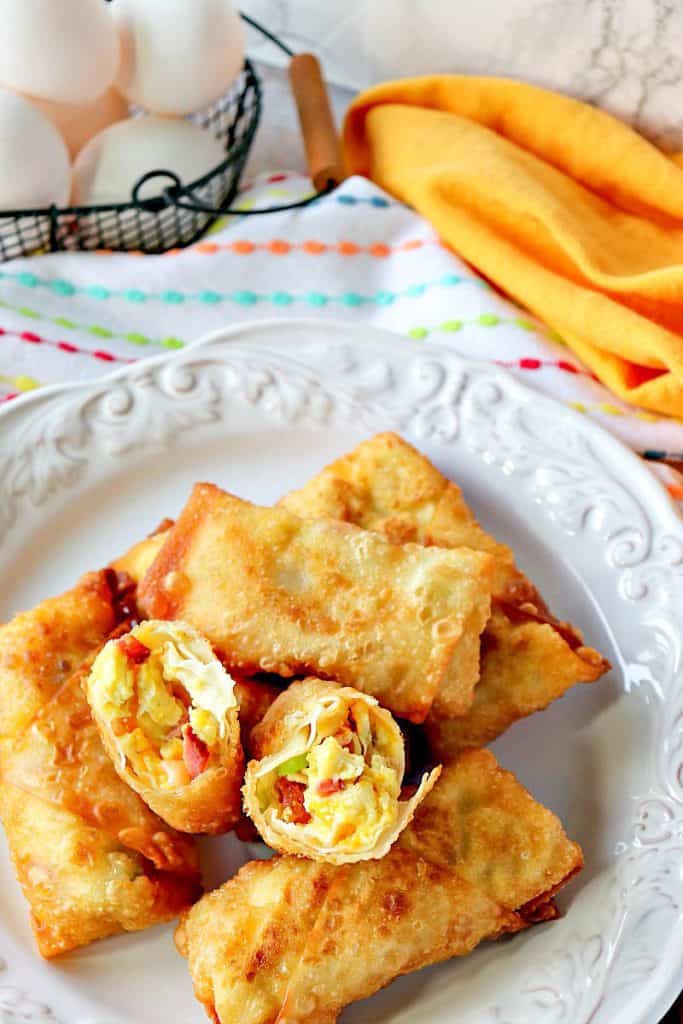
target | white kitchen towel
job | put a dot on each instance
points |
(356, 254)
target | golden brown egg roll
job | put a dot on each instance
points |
(274, 593)
(138, 559)
(167, 714)
(327, 774)
(525, 665)
(91, 858)
(292, 941)
(387, 485)
(41, 648)
(480, 822)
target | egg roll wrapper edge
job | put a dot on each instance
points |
(41, 648)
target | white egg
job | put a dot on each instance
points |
(109, 166)
(65, 52)
(178, 56)
(78, 123)
(34, 163)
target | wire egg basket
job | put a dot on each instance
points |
(173, 218)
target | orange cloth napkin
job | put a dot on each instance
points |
(564, 208)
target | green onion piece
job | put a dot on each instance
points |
(293, 766)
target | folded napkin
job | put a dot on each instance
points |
(565, 209)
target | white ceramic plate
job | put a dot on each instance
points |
(85, 470)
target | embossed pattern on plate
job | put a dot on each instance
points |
(600, 524)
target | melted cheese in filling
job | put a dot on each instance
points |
(152, 701)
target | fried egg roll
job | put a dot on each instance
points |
(387, 485)
(91, 858)
(293, 941)
(167, 715)
(327, 776)
(41, 648)
(138, 559)
(479, 821)
(526, 664)
(274, 593)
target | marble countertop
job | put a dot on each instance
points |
(624, 55)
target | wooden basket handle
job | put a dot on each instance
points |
(323, 152)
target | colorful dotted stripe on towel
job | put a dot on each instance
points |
(30, 338)
(493, 320)
(20, 384)
(454, 324)
(488, 320)
(531, 363)
(311, 247)
(98, 331)
(242, 297)
(609, 409)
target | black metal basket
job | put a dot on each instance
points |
(169, 220)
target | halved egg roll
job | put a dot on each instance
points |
(387, 485)
(273, 593)
(167, 714)
(91, 858)
(293, 941)
(327, 776)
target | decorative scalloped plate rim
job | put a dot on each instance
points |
(616, 955)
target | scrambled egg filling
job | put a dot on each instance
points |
(351, 782)
(166, 697)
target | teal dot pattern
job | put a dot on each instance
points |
(242, 297)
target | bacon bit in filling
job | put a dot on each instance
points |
(120, 726)
(329, 786)
(134, 650)
(195, 753)
(291, 796)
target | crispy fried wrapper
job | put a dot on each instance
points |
(275, 593)
(388, 486)
(291, 940)
(480, 822)
(525, 665)
(287, 940)
(167, 716)
(40, 649)
(138, 559)
(327, 773)
(91, 858)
